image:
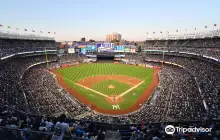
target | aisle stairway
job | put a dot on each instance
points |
(112, 135)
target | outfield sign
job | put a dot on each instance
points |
(71, 50)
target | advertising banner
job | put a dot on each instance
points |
(120, 55)
(92, 56)
(77, 50)
(119, 49)
(91, 48)
(71, 50)
(127, 49)
(83, 50)
(133, 50)
(81, 46)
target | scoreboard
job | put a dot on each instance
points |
(105, 47)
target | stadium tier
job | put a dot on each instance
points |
(109, 94)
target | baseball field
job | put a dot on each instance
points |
(107, 87)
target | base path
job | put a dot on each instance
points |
(142, 99)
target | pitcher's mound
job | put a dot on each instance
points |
(111, 86)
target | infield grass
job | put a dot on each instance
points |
(111, 87)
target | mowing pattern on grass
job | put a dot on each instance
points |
(76, 73)
(111, 87)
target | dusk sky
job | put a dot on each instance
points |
(93, 19)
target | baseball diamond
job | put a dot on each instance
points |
(104, 85)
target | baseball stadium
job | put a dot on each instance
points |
(167, 81)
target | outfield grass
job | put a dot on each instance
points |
(76, 73)
(103, 87)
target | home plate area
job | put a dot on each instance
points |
(114, 99)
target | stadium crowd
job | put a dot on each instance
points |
(206, 74)
(176, 98)
(207, 47)
(67, 59)
(14, 46)
(11, 73)
(44, 95)
(15, 125)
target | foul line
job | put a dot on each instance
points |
(92, 90)
(122, 94)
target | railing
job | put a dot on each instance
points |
(7, 133)
(196, 35)
(10, 35)
(181, 52)
(32, 52)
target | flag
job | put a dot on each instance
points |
(33, 31)
(25, 29)
(17, 28)
(41, 31)
(215, 24)
(1, 25)
(9, 27)
(205, 26)
(48, 32)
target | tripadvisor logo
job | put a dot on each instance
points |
(170, 129)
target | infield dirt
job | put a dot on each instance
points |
(90, 81)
